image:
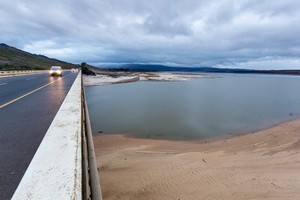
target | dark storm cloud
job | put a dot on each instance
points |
(253, 33)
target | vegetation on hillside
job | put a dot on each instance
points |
(15, 59)
(85, 69)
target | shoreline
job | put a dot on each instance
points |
(263, 164)
(204, 139)
(259, 164)
(105, 79)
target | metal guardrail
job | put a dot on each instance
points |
(20, 72)
(23, 72)
(92, 189)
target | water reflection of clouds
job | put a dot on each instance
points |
(194, 108)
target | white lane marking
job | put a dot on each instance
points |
(31, 78)
(3, 84)
(12, 101)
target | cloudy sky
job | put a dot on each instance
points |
(256, 34)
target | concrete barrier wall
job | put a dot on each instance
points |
(55, 172)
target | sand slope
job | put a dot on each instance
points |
(264, 165)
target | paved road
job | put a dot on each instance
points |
(28, 105)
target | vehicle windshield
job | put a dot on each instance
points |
(55, 68)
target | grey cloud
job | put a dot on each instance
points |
(192, 32)
(168, 27)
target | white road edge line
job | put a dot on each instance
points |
(3, 84)
(31, 78)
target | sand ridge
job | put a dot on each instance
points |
(107, 79)
(262, 165)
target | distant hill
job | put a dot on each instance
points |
(163, 68)
(12, 58)
(160, 68)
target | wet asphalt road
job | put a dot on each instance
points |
(23, 123)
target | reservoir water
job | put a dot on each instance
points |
(201, 108)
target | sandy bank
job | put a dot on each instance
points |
(107, 80)
(263, 165)
(103, 79)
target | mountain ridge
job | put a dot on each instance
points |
(12, 58)
(165, 68)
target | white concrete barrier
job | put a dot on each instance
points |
(55, 171)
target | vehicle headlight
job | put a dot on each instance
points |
(50, 71)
